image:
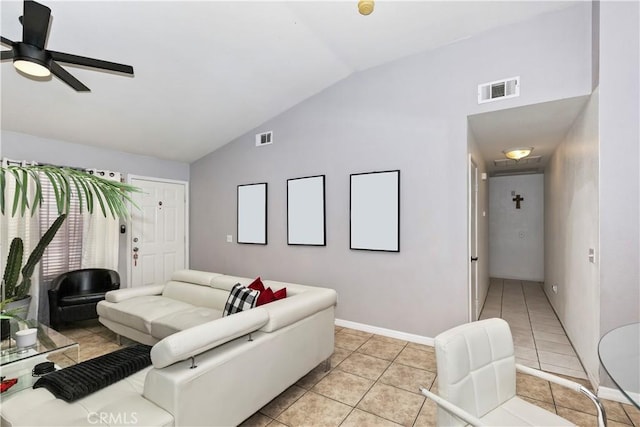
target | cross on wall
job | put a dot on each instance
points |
(518, 199)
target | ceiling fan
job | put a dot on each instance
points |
(30, 56)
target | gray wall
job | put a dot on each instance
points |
(619, 172)
(516, 236)
(19, 146)
(410, 115)
(571, 228)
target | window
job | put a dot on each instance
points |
(65, 251)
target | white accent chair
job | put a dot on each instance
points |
(477, 380)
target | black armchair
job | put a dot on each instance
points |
(74, 295)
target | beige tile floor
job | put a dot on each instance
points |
(540, 341)
(374, 382)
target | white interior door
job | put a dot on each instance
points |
(474, 309)
(157, 240)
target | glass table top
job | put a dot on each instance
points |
(48, 340)
(18, 363)
(619, 352)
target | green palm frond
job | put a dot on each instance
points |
(68, 184)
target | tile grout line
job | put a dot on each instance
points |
(535, 344)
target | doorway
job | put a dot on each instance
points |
(158, 237)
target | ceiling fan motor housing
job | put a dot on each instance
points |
(26, 52)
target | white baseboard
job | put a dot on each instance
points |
(419, 339)
(616, 395)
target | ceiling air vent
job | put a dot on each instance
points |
(264, 138)
(500, 89)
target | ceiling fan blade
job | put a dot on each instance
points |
(6, 54)
(90, 62)
(35, 23)
(6, 41)
(64, 75)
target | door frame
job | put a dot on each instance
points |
(472, 192)
(131, 177)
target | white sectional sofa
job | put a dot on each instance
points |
(207, 369)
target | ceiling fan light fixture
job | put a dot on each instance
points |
(31, 68)
(517, 153)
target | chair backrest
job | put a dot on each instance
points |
(88, 280)
(476, 368)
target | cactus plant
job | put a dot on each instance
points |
(12, 290)
(12, 271)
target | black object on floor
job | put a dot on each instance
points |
(78, 381)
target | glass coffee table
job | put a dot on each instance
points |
(51, 346)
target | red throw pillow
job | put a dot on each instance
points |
(265, 297)
(280, 294)
(257, 285)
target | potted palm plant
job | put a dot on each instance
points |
(68, 183)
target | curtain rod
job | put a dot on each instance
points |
(19, 163)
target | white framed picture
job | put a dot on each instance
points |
(375, 211)
(306, 223)
(252, 213)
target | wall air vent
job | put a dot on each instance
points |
(264, 138)
(500, 89)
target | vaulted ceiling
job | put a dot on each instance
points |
(207, 72)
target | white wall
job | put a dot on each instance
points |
(516, 236)
(571, 228)
(410, 114)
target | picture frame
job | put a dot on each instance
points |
(374, 211)
(306, 211)
(252, 214)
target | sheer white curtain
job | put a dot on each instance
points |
(100, 238)
(24, 226)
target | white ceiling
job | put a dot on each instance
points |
(541, 126)
(206, 72)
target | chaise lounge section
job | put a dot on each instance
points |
(207, 369)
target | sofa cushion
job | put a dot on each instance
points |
(88, 298)
(198, 295)
(181, 320)
(128, 293)
(123, 399)
(240, 299)
(139, 312)
(194, 276)
(228, 282)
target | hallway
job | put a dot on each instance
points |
(538, 336)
